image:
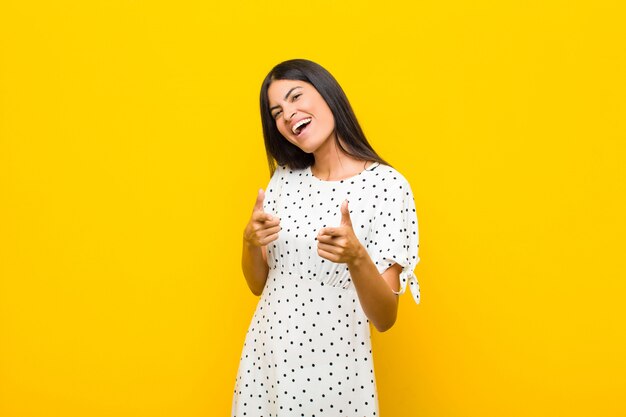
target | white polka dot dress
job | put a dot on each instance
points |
(308, 350)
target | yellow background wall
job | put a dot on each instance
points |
(131, 151)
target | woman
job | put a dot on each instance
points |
(329, 247)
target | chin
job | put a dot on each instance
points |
(308, 149)
(303, 147)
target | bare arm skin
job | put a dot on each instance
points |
(262, 229)
(379, 303)
(340, 245)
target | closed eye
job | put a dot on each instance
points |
(293, 98)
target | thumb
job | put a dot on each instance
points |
(258, 206)
(345, 214)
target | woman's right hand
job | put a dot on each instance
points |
(262, 228)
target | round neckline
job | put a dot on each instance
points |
(370, 168)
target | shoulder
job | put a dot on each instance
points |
(284, 174)
(390, 176)
(286, 171)
(280, 171)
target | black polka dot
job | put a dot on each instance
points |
(309, 330)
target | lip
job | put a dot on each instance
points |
(292, 124)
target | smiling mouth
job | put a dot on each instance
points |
(301, 126)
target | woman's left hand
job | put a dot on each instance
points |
(340, 244)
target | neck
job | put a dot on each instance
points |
(332, 164)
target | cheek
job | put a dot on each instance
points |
(328, 117)
(329, 121)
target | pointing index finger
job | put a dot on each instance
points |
(330, 231)
(263, 217)
(268, 217)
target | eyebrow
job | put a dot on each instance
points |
(286, 97)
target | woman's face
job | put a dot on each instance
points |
(301, 114)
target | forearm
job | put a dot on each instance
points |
(379, 303)
(254, 267)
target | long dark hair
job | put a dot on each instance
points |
(282, 152)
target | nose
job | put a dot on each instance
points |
(288, 113)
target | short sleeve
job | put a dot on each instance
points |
(272, 192)
(395, 237)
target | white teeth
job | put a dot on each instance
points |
(300, 123)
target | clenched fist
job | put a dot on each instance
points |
(262, 228)
(340, 244)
